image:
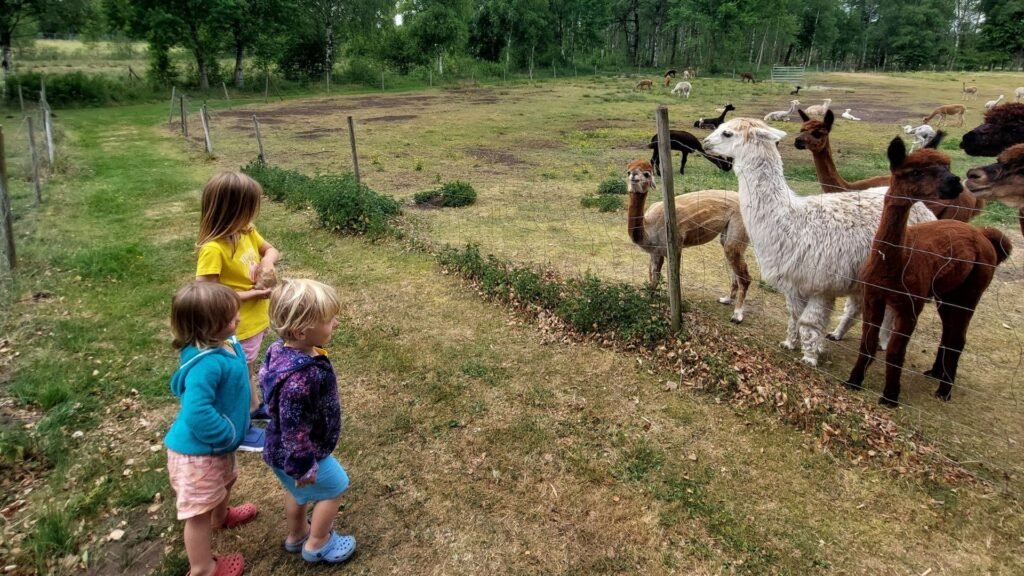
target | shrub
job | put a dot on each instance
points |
(603, 202)
(612, 186)
(449, 195)
(280, 185)
(363, 71)
(78, 89)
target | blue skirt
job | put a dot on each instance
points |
(331, 482)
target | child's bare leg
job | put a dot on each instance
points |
(296, 516)
(324, 513)
(198, 532)
(254, 388)
(220, 513)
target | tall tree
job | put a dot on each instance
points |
(251, 22)
(193, 24)
(12, 12)
(438, 26)
(1003, 29)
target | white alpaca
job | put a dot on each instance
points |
(682, 88)
(923, 134)
(819, 109)
(1019, 93)
(783, 114)
(993, 103)
(809, 248)
(849, 116)
(686, 74)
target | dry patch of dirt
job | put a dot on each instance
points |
(395, 118)
(495, 156)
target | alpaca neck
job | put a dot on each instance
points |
(721, 117)
(828, 175)
(892, 231)
(763, 189)
(635, 218)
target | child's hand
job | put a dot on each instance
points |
(254, 294)
(309, 478)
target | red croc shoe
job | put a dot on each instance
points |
(230, 565)
(238, 515)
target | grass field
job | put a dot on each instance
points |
(474, 442)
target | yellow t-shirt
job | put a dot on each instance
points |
(237, 271)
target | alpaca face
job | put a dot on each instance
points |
(639, 177)
(921, 175)
(1003, 180)
(814, 134)
(738, 137)
(1003, 127)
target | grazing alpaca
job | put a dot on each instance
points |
(945, 111)
(1003, 180)
(747, 77)
(993, 103)
(712, 123)
(846, 114)
(809, 248)
(682, 88)
(950, 262)
(795, 91)
(700, 217)
(968, 92)
(783, 114)
(690, 74)
(819, 109)
(1019, 93)
(686, 143)
(923, 134)
(644, 85)
(669, 76)
(814, 136)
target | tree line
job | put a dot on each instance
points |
(304, 38)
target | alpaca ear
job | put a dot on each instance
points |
(830, 119)
(767, 133)
(897, 153)
(803, 115)
(934, 142)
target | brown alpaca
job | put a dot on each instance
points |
(644, 85)
(747, 77)
(700, 217)
(1002, 181)
(948, 261)
(1003, 128)
(814, 136)
(669, 76)
(944, 112)
(968, 92)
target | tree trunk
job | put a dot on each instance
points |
(239, 72)
(329, 52)
(634, 46)
(675, 40)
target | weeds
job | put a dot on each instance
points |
(603, 202)
(449, 195)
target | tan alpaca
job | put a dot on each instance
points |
(946, 111)
(700, 218)
(968, 92)
(1019, 93)
(819, 109)
(644, 85)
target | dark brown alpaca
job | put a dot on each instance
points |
(1002, 181)
(1003, 127)
(747, 77)
(814, 136)
(948, 261)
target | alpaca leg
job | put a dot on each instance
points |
(851, 311)
(734, 250)
(682, 163)
(904, 323)
(812, 327)
(955, 320)
(796, 306)
(874, 310)
(654, 272)
(655, 161)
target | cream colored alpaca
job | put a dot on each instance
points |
(968, 92)
(1019, 93)
(783, 114)
(819, 109)
(700, 218)
(993, 103)
(810, 248)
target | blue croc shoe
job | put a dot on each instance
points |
(254, 440)
(337, 550)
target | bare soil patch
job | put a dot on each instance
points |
(495, 156)
(394, 118)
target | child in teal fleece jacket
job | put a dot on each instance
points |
(212, 383)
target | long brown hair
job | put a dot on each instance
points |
(231, 201)
(199, 311)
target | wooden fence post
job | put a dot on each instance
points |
(266, 85)
(204, 116)
(6, 226)
(37, 187)
(352, 143)
(42, 88)
(21, 100)
(225, 87)
(184, 116)
(170, 112)
(48, 131)
(259, 139)
(669, 202)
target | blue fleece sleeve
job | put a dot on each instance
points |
(198, 411)
(295, 413)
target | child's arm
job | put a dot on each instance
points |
(295, 411)
(199, 414)
(243, 294)
(268, 254)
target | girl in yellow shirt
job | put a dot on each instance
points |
(234, 254)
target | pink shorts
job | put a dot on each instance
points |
(251, 346)
(200, 483)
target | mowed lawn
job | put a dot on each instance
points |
(475, 444)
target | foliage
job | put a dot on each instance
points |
(612, 185)
(362, 70)
(603, 202)
(79, 89)
(449, 195)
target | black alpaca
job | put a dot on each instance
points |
(686, 143)
(712, 123)
(795, 92)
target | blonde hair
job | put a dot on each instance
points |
(199, 312)
(296, 305)
(231, 201)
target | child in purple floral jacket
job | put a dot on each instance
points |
(301, 393)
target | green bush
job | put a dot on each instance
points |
(612, 186)
(78, 89)
(363, 71)
(449, 195)
(603, 202)
(280, 185)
